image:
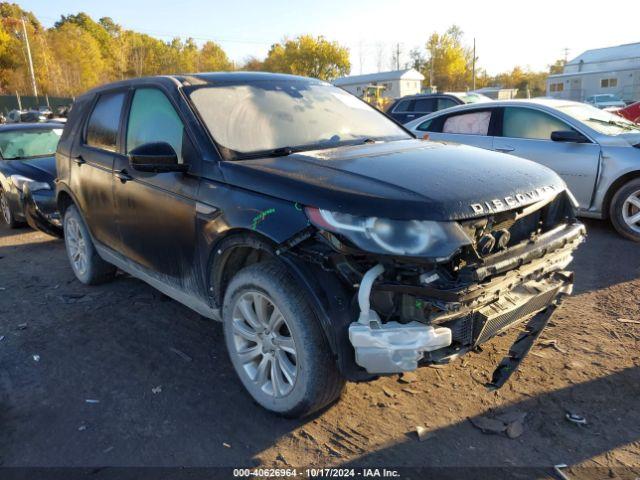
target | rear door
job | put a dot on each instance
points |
(91, 168)
(526, 133)
(157, 211)
(469, 127)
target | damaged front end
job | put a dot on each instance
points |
(427, 292)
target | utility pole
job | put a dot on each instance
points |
(397, 56)
(474, 65)
(33, 77)
(566, 54)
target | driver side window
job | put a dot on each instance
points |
(153, 119)
(530, 124)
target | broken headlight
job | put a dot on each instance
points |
(413, 238)
(20, 181)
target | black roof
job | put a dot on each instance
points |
(212, 78)
(8, 127)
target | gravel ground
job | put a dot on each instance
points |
(119, 375)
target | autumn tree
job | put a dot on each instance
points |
(309, 56)
(212, 58)
(449, 60)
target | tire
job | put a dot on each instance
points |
(5, 212)
(285, 362)
(625, 210)
(85, 262)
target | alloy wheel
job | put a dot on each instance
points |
(264, 345)
(4, 206)
(631, 211)
(77, 246)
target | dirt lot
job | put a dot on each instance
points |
(119, 375)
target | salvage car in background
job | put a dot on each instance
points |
(410, 107)
(595, 152)
(606, 101)
(27, 174)
(331, 243)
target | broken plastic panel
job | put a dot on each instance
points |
(395, 347)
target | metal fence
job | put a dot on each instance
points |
(13, 102)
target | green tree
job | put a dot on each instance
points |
(309, 56)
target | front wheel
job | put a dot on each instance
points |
(625, 210)
(7, 214)
(275, 342)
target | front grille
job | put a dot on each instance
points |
(509, 310)
(539, 221)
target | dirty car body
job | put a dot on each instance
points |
(380, 235)
(27, 173)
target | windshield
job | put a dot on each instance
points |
(600, 120)
(269, 115)
(473, 98)
(22, 144)
(609, 97)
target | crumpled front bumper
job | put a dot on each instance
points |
(41, 211)
(512, 287)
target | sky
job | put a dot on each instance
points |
(507, 33)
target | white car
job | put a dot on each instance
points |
(606, 101)
(595, 152)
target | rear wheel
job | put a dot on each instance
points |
(625, 210)
(7, 214)
(276, 344)
(87, 265)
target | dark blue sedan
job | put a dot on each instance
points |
(27, 173)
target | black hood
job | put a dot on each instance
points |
(405, 180)
(41, 169)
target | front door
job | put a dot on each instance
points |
(156, 212)
(526, 133)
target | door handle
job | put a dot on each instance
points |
(123, 176)
(505, 149)
(79, 160)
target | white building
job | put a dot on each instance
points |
(604, 70)
(397, 83)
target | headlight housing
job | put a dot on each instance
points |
(412, 238)
(20, 181)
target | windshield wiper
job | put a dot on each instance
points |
(613, 123)
(276, 152)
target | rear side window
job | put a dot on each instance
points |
(402, 106)
(102, 128)
(153, 119)
(529, 123)
(424, 105)
(475, 123)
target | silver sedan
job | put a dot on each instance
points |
(595, 152)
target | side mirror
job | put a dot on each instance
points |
(156, 157)
(570, 136)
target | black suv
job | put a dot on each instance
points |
(411, 107)
(330, 242)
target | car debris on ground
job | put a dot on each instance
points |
(509, 423)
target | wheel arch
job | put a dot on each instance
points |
(328, 298)
(614, 187)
